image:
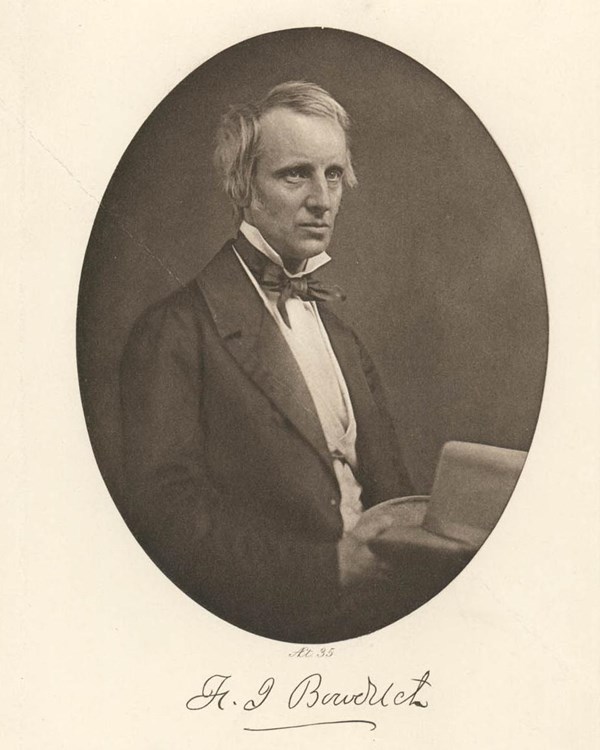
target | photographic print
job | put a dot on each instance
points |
(312, 335)
(301, 390)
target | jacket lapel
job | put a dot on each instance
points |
(252, 337)
(347, 353)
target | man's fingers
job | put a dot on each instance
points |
(372, 526)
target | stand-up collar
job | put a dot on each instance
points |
(255, 238)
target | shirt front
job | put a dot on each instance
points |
(308, 340)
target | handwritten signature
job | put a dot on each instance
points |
(311, 692)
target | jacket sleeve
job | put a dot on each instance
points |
(230, 561)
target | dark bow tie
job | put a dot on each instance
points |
(273, 278)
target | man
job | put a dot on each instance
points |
(255, 427)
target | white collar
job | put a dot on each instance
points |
(255, 238)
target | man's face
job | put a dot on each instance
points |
(297, 186)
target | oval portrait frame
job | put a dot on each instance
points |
(434, 248)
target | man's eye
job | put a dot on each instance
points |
(334, 175)
(294, 175)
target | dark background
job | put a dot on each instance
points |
(434, 248)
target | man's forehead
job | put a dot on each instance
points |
(286, 133)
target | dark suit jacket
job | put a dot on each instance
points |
(230, 486)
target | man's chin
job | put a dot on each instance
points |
(311, 247)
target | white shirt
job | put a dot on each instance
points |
(310, 345)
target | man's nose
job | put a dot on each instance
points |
(319, 197)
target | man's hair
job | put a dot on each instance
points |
(238, 136)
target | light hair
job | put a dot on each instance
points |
(238, 136)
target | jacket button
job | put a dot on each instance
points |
(333, 501)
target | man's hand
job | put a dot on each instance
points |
(357, 563)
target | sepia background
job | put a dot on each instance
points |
(435, 247)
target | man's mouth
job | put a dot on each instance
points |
(315, 225)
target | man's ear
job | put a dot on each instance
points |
(253, 203)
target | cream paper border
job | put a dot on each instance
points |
(99, 649)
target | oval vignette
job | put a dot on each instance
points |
(434, 248)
